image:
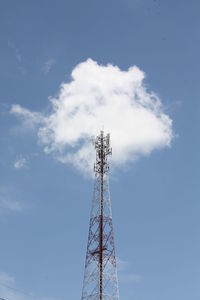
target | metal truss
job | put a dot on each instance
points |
(100, 277)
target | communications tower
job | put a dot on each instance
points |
(100, 276)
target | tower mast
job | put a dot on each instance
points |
(100, 277)
(101, 158)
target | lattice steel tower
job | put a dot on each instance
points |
(100, 277)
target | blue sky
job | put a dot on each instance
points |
(45, 204)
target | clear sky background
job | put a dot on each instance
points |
(45, 205)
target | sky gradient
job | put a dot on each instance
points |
(45, 204)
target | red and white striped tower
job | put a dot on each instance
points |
(100, 277)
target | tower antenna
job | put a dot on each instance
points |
(100, 276)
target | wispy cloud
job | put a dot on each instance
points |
(29, 119)
(20, 162)
(101, 95)
(18, 55)
(125, 274)
(8, 202)
(130, 278)
(46, 68)
(10, 291)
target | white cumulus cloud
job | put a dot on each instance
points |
(101, 96)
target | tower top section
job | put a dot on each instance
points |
(103, 149)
